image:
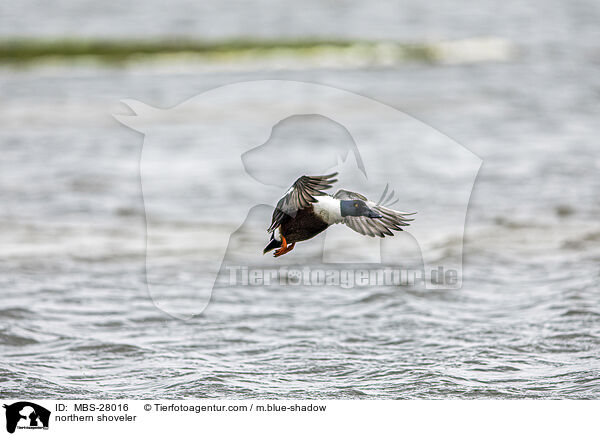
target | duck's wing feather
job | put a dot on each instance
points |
(391, 220)
(299, 196)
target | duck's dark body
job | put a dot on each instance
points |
(305, 225)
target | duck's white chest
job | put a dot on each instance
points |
(328, 208)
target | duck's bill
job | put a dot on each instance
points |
(373, 214)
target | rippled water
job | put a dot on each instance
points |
(76, 319)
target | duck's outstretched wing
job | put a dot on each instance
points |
(300, 195)
(390, 219)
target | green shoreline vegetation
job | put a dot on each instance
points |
(26, 51)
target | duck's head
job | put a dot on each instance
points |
(357, 208)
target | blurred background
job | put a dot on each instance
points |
(516, 83)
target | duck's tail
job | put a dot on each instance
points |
(273, 244)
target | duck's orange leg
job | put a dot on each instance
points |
(285, 248)
(289, 248)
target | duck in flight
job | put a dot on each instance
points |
(305, 211)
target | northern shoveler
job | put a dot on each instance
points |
(305, 211)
